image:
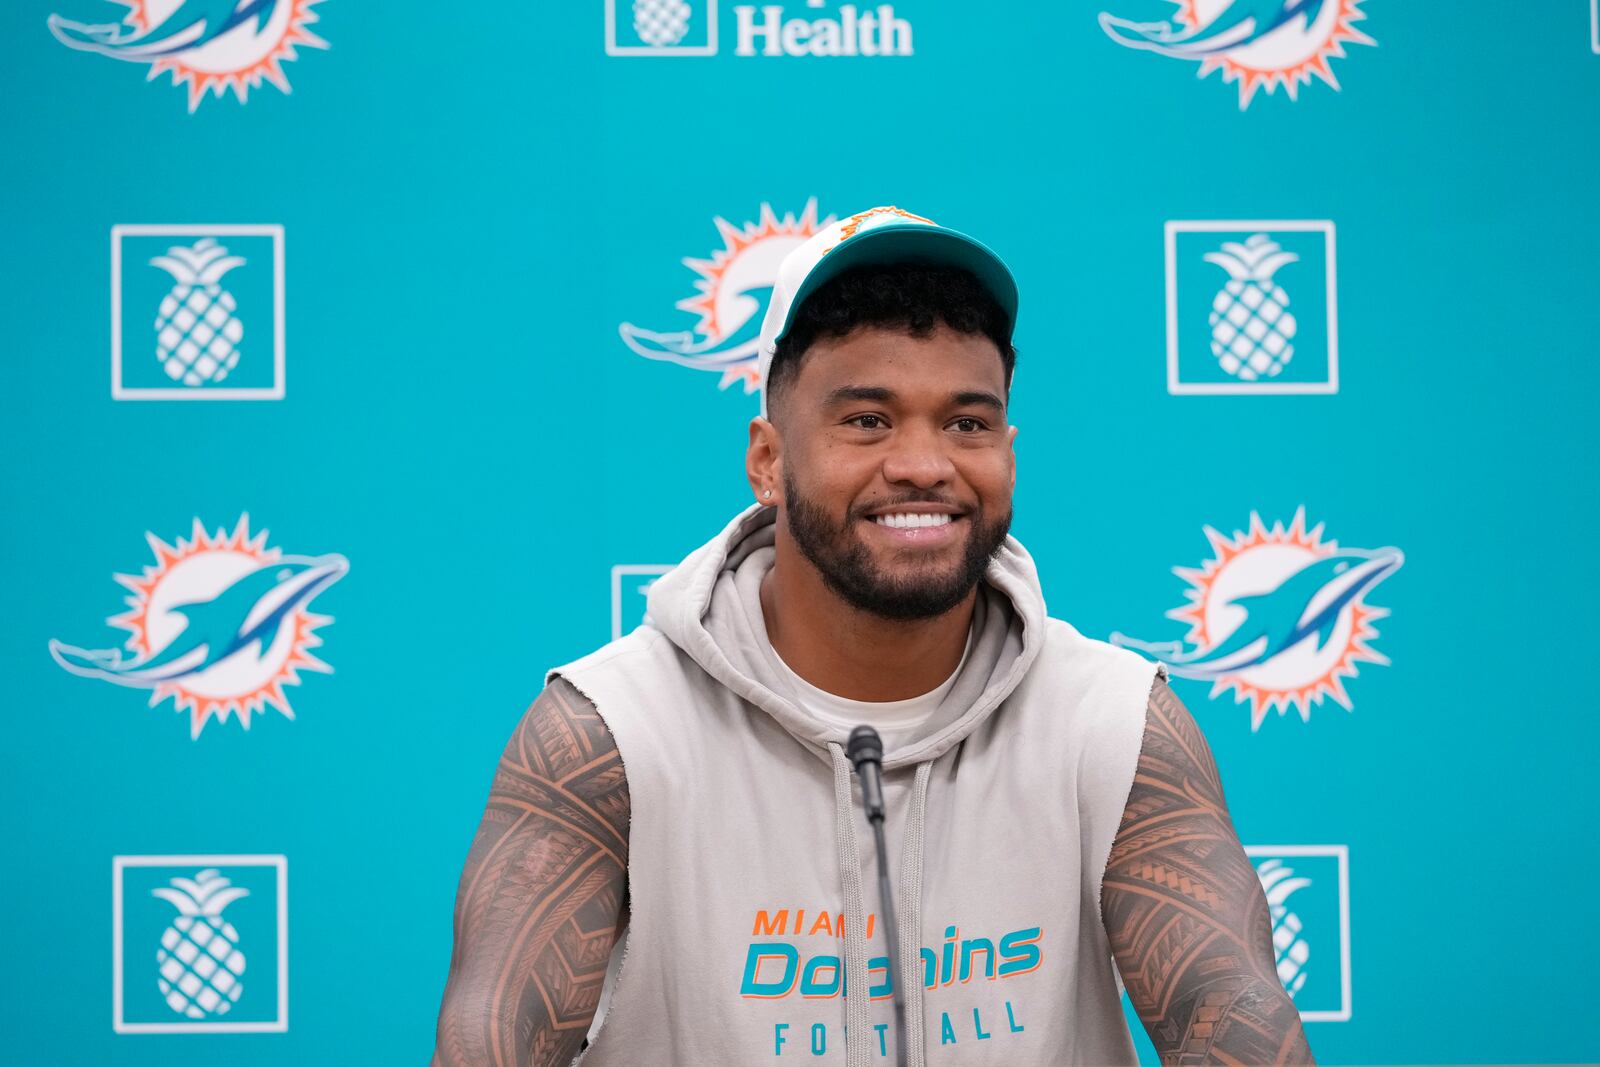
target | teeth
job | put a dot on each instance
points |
(912, 520)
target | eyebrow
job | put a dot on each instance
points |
(857, 393)
(978, 398)
(878, 394)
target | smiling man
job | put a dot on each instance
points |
(679, 803)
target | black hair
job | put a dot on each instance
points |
(913, 297)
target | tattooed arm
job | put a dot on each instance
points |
(1185, 912)
(540, 899)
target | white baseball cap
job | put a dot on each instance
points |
(877, 236)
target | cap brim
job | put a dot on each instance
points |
(911, 243)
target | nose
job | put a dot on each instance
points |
(917, 458)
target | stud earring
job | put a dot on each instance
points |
(767, 494)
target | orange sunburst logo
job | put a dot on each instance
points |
(211, 46)
(220, 623)
(731, 296)
(1260, 44)
(1278, 616)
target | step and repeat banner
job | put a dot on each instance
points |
(365, 360)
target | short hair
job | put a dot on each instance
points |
(912, 297)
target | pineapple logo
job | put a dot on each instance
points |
(197, 335)
(210, 46)
(220, 624)
(661, 27)
(200, 965)
(1251, 327)
(1278, 617)
(199, 917)
(1288, 945)
(1232, 330)
(1307, 888)
(734, 288)
(214, 296)
(660, 22)
(1257, 43)
(630, 594)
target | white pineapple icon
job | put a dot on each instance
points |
(1251, 326)
(199, 959)
(197, 335)
(1279, 883)
(660, 23)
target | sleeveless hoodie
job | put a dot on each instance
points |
(753, 933)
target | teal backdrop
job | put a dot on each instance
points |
(459, 446)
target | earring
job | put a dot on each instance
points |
(767, 494)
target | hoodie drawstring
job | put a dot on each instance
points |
(911, 916)
(858, 1015)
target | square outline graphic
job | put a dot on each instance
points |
(1342, 854)
(617, 572)
(707, 49)
(277, 1026)
(121, 230)
(1324, 226)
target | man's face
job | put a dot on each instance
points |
(897, 466)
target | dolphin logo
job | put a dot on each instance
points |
(1261, 44)
(244, 616)
(733, 292)
(710, 353)
(1307, 604)
(194, 24)
(209, 46)
(1241, 23)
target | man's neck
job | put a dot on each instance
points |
(855, 654)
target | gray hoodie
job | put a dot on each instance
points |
(753, 933)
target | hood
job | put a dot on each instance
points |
(710, 606)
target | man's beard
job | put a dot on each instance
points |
(846, 565)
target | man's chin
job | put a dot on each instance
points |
(903, 574)
(909, 583)
(907, 602)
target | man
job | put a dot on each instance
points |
(1052, 806)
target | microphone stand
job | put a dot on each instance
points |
(865, 750)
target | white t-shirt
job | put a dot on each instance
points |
(885, 716)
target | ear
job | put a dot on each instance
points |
(1011, 447)
(763, 462)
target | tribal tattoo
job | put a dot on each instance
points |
(541, 897)
(1185, 912)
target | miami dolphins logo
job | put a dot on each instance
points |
(220, 624)
(734, 288)
(208, 45)
(1279, 617)
(1257, 43)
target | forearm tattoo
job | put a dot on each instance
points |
(538, 905)
(1185, 912)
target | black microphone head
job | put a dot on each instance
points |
(864, 746)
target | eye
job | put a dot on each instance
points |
(866, 422)
(969, 424)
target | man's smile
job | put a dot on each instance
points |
(915, 526)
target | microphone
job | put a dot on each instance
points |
(865, 750)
